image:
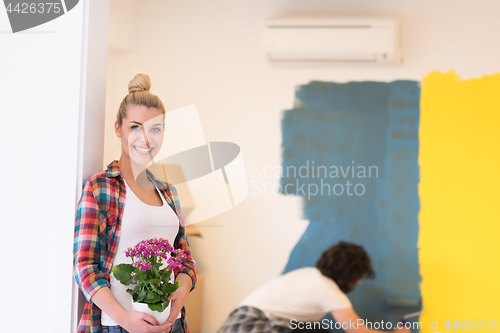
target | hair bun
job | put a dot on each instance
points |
(140, 82)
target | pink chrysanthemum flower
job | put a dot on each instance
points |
(150, 251)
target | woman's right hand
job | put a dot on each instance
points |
(140, 322)
(132, 321)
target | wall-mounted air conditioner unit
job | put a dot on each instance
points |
(332, 40)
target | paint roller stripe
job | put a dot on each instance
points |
(414, 314)
(401, 302)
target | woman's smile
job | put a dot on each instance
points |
(143, 150)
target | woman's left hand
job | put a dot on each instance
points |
(178, 298)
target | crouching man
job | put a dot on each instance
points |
(298, 300)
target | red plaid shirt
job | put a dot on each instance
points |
(97, 232)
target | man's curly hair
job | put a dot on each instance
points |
(345, 263)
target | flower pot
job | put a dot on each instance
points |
(160, 316)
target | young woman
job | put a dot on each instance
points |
(298, 300)
(118, 208)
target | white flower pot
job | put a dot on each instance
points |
(160, 316)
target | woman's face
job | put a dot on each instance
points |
(141, 133)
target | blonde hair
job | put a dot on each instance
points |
(139, 94)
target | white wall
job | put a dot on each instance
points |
(208, 53)
(123, 41)
(44, 93)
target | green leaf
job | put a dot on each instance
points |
(151, 297)
(140, 275)
(122, 273)
(159, 307)
(134, 291)
(150, 274)
(169, 288)
(164, 298)
(155, 271)
(166, 276)
(156, 307)
(154, 283)
(141, 296)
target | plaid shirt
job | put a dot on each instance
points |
(97, 232)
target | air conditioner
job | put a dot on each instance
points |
(324, 39)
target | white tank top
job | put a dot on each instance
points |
(140, 221)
